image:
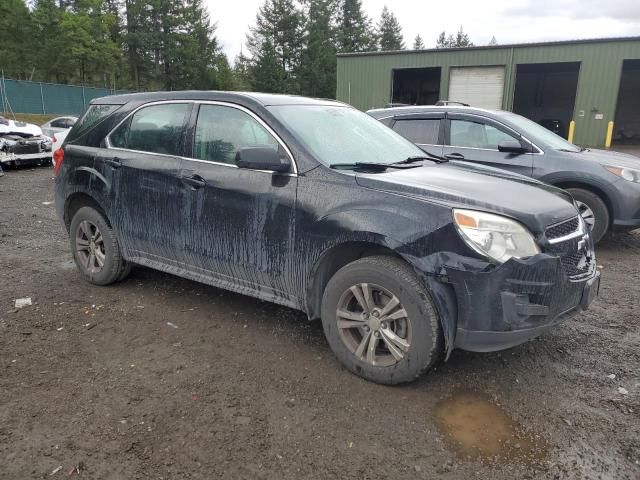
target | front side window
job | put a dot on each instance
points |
(154, 129)
(421, 131)
(222, 131)
(470, 134)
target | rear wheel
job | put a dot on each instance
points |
(593, 211)
(380, 320)
(95, 248)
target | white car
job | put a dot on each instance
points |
(23, 143)
(58, 125)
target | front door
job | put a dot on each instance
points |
(241, 222)
(474, 138)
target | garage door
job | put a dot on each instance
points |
(480, 87)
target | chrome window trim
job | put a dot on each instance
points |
(203, 102)
(538, 151)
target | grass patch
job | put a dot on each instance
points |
(36, 118)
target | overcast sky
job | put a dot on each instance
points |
(511, 21)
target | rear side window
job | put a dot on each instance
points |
(222, 131)
(422, 131)
(60, 123)
(93, 115)
(154, 129)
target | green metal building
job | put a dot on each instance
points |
(591, 82)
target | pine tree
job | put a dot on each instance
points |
(275, 43)
(17, 50)
(461, 39)
(317, 74)
(242, 72)
(418, 43)
(355, 31)
(389, 32)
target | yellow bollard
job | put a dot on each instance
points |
(572, 130)
(607, 142)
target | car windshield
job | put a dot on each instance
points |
(339, 135)
(530, 128)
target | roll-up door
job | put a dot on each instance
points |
(480, 87)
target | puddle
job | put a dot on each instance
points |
(477, 428)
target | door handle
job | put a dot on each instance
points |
(196, 181)
(113, 162)
(454, 156)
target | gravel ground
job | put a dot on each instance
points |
(160, 377)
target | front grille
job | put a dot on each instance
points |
(563, 229)
(26, 148)
(577, 264)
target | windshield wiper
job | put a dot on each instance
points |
(370, 165)
(420, 158)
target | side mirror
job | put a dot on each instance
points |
(261, 158)
(511, 146)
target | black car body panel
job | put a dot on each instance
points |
(281, 236)
(566, 169)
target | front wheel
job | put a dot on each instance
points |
(593, 210)
(380, 321)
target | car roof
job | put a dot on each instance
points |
(379, 113)
(264, 99)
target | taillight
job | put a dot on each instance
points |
(58, 156)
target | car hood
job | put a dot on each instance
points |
(532, 203)
(607, 157)
(19, 128)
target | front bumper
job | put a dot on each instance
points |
(25, 158)
(507, 305)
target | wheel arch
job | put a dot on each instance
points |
(565, 184)
(76, 201)
(332, 260)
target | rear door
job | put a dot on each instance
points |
(241, 222)
(475, 138)
(142, 161)
(425, 130)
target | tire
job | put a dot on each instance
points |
(589, 202)
(107, 265)
(415, 336)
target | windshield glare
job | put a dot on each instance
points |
(336, 134)
(530, 128)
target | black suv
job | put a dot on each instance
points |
(314, 205)
(604, 184)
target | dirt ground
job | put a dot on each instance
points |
(160, 377)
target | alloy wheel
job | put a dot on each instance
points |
(90, 247)
(587, 214)
(373, 324)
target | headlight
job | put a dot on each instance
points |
(494, 236)
(626, 173)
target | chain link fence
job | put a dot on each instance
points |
(22, 96)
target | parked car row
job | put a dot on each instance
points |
(403, 254)
(604, 184)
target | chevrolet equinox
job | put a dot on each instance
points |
(311, 204)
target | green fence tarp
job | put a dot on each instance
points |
(48, 98)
